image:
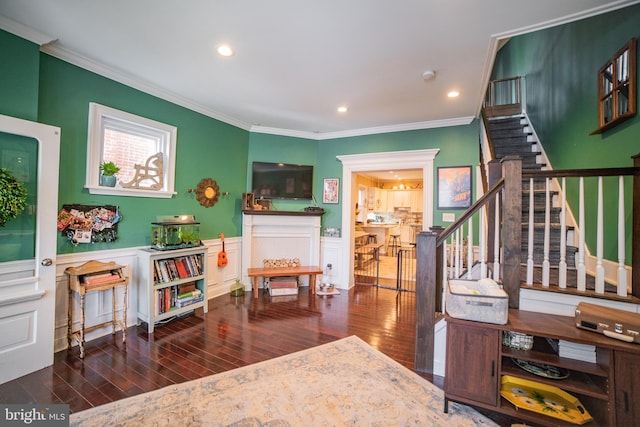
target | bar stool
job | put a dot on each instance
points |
(393, 244)
(372, 238)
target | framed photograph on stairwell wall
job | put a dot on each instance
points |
(454, 187)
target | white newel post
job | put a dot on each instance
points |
(279, 234)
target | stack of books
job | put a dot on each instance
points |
(100, 278)
(572, 350)
(283, 286)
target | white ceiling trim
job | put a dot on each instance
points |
(599, 10)
(25, 32)
(136, 83)
(146, 87)
(460, 121)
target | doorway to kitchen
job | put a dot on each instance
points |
(388, 216)
(421, 160)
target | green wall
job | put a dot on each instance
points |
(458, 147)
(59, 93)
(561, 66)
(19, 69)
(284, 149)
(206, 148)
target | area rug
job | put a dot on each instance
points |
(342, 383)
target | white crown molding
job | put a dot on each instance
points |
(139, 84)
(460, 121)
(598, 10)
(136, 83)
(283, 132)
(25, 32)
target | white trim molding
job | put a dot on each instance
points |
(353, 163)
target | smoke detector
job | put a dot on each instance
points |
(429, 75)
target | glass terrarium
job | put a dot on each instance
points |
(175, 233)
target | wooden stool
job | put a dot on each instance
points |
(393, 244)
(94, 276)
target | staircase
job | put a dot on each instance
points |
(511, 137)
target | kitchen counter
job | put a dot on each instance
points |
(382, 231)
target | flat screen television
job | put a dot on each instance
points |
(282, 181)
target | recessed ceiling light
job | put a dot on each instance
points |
(453, 94)
(342, 109)
(225, 50)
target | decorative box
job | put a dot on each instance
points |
(480, 300)
(181, 231)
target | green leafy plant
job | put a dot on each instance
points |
(109, 168)
(13, 197)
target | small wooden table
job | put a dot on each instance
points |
(94, 276)
(311, 271)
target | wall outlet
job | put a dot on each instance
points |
(448, 217)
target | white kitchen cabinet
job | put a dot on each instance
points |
(416, 200)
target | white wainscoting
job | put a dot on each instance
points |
(332, 248)
(98, 304)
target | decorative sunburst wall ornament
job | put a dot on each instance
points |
(207, 192)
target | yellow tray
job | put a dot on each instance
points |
(543, 399)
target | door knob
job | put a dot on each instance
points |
(46, 262)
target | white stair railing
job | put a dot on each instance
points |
(603, 272)
(622, 274)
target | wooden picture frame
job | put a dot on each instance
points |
(331, 190)
(454, 187)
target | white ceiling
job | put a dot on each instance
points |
(296, 61)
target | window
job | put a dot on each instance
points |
(617, 88)
(134, 144)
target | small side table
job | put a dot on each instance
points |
(94, 276)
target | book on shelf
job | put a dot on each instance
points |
(171, 264)
(189, 301)
(187, 287)
(194, 293)
(182, 270)
(577, 351)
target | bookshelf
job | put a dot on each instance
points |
(95, 276)
(171, 283)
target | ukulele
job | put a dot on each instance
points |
(222, 255)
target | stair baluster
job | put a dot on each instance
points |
(622, 274)
(582, 270)
(547, 220)
(562, 266)
(530, 235)
(600, 241)
(496, 243)
(469, 248)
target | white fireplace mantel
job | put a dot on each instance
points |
(279, 234)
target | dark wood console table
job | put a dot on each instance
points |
(477, 360)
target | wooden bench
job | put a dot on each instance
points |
(311, 271)
(372, 249)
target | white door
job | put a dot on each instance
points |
(30, 152)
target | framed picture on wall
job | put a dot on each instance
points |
(331, 190)
(454, 187)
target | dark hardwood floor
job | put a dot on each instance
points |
(235, 332)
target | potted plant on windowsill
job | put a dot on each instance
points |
(107, 174)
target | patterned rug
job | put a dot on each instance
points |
(345, 382)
